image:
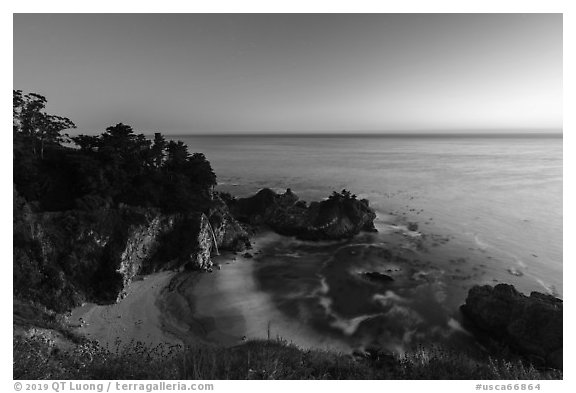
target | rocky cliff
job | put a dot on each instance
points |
(530, 325)
(62, 259)
(337, 217)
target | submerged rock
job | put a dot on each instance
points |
(338, 217)
(412, 226)
(378, 277)
(531, 325)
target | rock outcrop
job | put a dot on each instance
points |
(186, 244)
(228, 232)
(530, 325)
(338, 217)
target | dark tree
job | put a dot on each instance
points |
(34, 127)
(177, 155)
(117, 166)
(157, 151)
(87, 143)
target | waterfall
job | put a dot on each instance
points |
(213, 235)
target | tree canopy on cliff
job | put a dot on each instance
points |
(36, 128)
(117, 166)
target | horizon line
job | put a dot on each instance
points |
(559, 134)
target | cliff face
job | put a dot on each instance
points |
(62, 259)
(228, 232)
(199, 257)
(83, 256)
(141, 243)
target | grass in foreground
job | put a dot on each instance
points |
(35, 358)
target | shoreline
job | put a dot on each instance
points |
(224, 307)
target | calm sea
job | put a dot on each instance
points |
(489, 207)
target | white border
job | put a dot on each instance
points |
(248, 6)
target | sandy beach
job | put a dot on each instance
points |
(223, 307)
(137, 317)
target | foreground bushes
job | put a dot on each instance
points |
(38, 358)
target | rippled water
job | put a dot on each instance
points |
(488, 210)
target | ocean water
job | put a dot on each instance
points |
(488, 211)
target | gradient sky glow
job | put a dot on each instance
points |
(284, 73)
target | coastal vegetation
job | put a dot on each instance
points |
(91, 212)
(117, 166)
(35, 358)
(79, 202)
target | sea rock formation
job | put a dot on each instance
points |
(338, 217)
(530, 325)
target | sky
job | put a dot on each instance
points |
(295, 73)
